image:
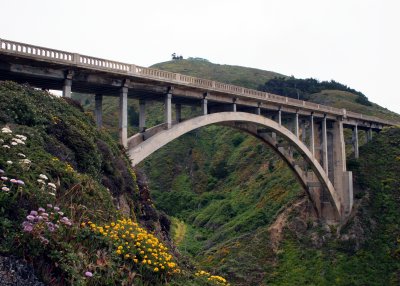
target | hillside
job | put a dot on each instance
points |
(71, 207)
(237, 75)
(237, 210)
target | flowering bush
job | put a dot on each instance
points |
(135, 245)
(214, 279)
(41, 224)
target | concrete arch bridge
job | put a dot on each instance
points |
(308, 136)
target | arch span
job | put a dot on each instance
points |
(246, 122)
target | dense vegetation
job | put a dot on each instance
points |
(303, 88)
(71, 205)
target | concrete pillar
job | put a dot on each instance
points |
(66, 92)
(312, 139)
(258, 109)
(178, 112)
(168, 110)
(324, 145)
(99, 110)
(123, 116)
(296, 125)
(142, 115)
(355, 141)
(342, 180)
(204, 107)
(369, 135)
(280, 117)
(234, 105)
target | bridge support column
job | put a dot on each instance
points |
(168, 110)
(234, 105)
(296, 125)
(280, 116)
(324, 145)
(178, 112)
(312, 139)
(355, 141)
(204, 106)
(99, 110)
(123, 116)
(342, 179)
(369, 135)
(67, 88)
(142, 115)
(258, 109)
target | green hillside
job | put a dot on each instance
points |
(237, 75)
(70, 204)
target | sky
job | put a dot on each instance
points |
(354, 42)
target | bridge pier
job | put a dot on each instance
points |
(168, 110)
(142, 115)
(234, 105)
(324, 145)
(258, 109)
(296, 124)
(123, 116)
(67, 87)
(369, 135)
(355, 141)
(312, 136)
(99, 110)
(280, 116)
(204, 104)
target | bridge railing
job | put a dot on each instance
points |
(53, 55)
(36, 51)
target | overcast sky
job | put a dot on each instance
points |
(355, 42)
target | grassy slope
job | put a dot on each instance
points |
(248, 77)
(93, 182)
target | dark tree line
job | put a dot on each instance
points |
(303, 88)
(176, 57)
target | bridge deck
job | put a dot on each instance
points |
(47, 68)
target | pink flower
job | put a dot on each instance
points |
(56, 209)
(28, 227)
(41, 210)
(30, 217)
(88, 274)
(34, 213)
(14, 181)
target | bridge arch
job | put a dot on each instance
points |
(249, 123)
